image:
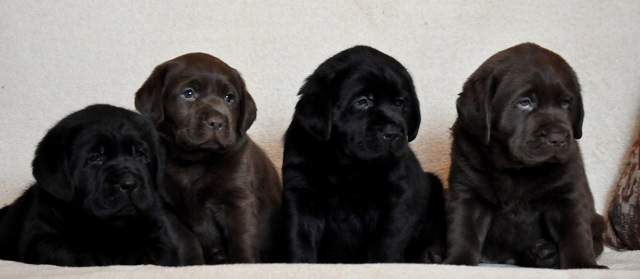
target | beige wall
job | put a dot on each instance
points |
(59, 56)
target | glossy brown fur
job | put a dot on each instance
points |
(518, 189)
(220, 183)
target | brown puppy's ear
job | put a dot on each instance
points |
(474, 106)
(313, 111)
(149, 98)
(248, 110)
(50, 166)
(577, 125)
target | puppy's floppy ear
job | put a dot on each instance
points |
(159, 154)
(248, 109)
(313, 111)
(577, 125)
(149, 98)
(474, 105)
(413, 117)
(150, 136)
(50, 166)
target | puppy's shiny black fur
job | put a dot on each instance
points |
(95, 200)
(354, 191)
(518, 189)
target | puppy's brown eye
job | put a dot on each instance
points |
(363, 103)
(95, 158)
(189, 94)
(400, 102)
(565, 103)
(229, 98)
(525, 103)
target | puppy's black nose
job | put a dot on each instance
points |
(391, 133)
(215, 123)
(556, 139)
(127, 183)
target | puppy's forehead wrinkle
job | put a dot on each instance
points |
(370, 83)
(203, 81)
(516, 85)
(524, 63)
(120, 136)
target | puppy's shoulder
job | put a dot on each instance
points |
(23, 202)
(12, 223)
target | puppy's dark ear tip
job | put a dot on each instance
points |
(577, 133)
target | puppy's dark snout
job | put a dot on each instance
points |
(214, 122)
(127, 183)
(391, 133)
(556, 139)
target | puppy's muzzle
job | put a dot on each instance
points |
(215, 121)
(556, 139)
(125, 180)
(127, 183)
(390, 133)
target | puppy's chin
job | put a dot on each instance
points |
(375, 151)
(205, 139)
(121, 210)
(114, 204)
(533, 154)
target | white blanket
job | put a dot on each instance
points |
(59, 56)
(624, 265)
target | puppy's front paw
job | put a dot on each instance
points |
(466, 259)
(433, 255)
(583, 265)
(219, 256)
(542, 254)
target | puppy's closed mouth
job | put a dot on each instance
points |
(203, 139)
(127, 210)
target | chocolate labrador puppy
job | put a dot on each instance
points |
(95, 200)
(220, 183)
(354, 191)
(518, 190)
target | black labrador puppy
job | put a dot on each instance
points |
(95, 199)
(354, 192)
(518, 190)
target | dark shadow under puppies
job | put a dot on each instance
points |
(95, 199)
(218, 181)
(354, 191)
(518, 190)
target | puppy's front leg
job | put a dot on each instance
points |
(570, 227)
(394, 232)
(56, 249)
(188, 250)
(304, 226)
(467, 225)
(244, 226)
